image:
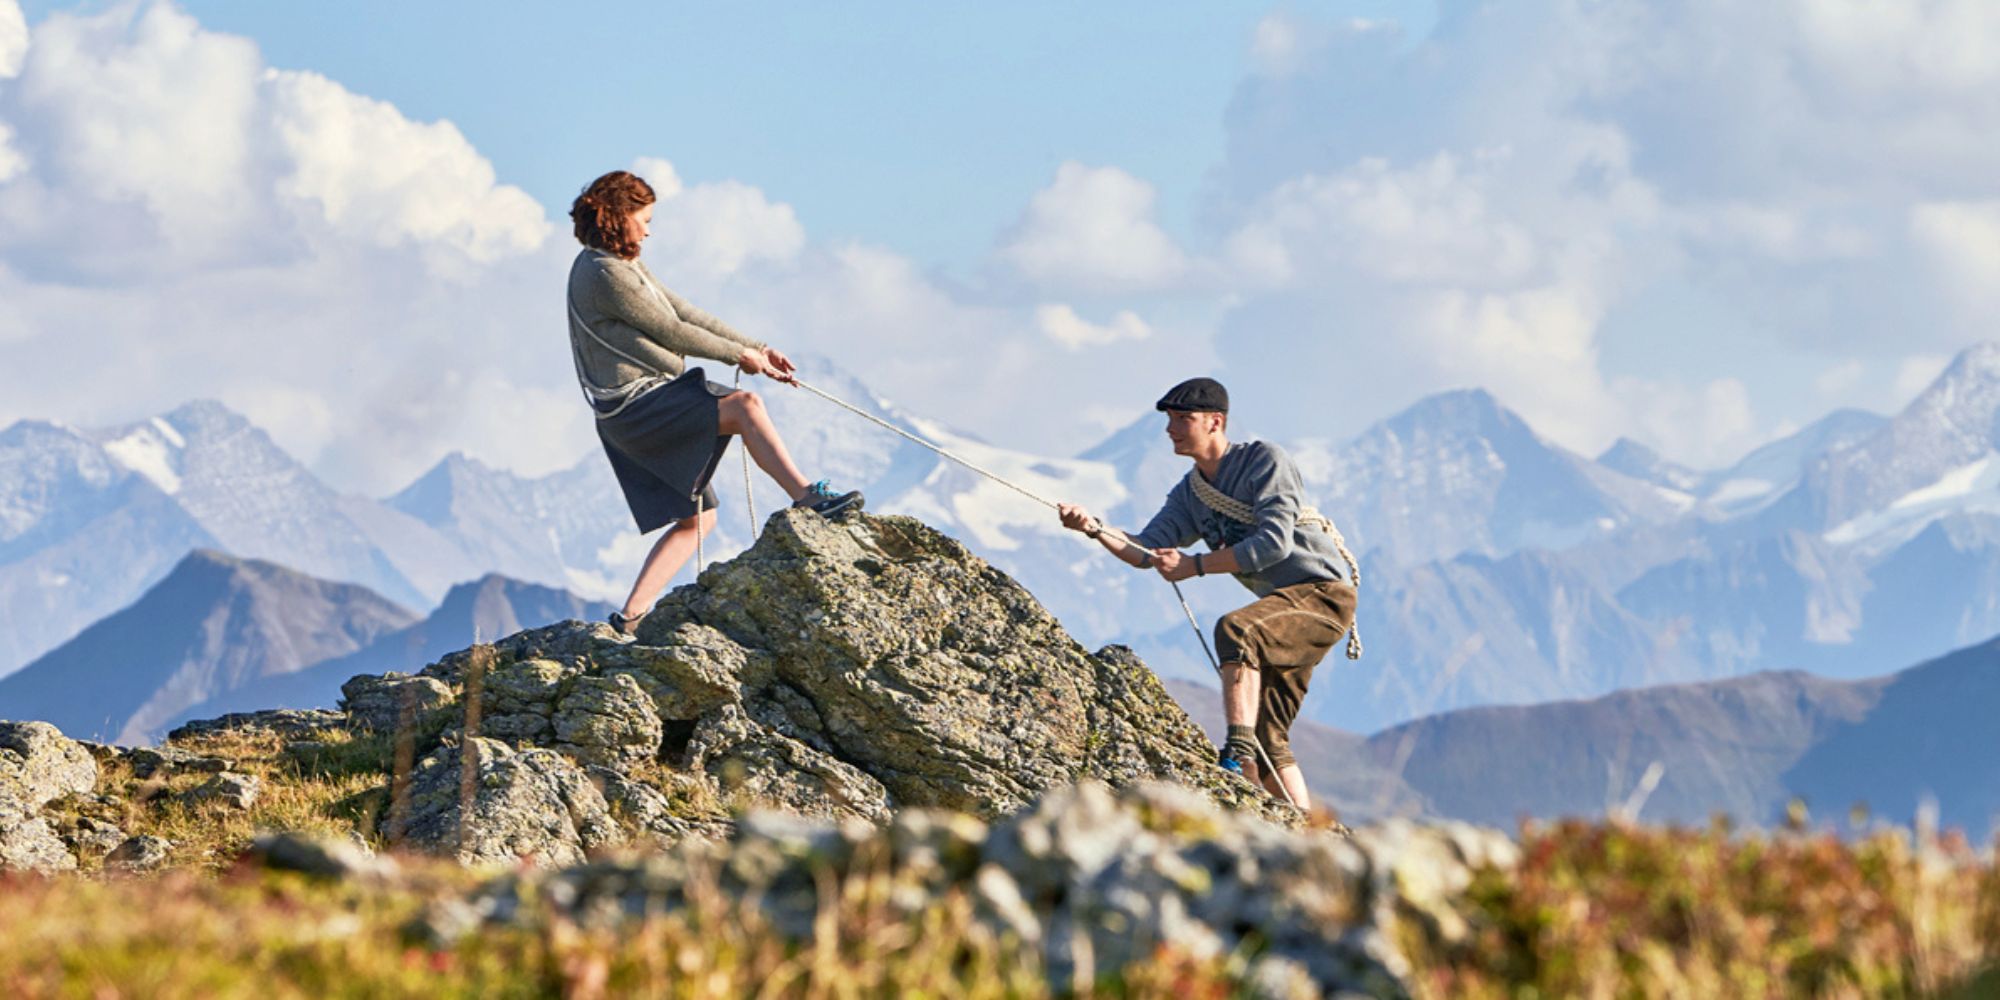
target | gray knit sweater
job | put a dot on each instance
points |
(629, 309)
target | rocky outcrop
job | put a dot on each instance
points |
(1090, 879)
(37, 766)
(514, 804)
(840, 670)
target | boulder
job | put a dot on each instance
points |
(1089, 879)
(335, 858)
(518, 700)
(379, 703)
(140, 854)
(149, 761)
(38, 764)
(290, 723)
(846, 669)
(26, 841)
(756, 764)
(522, 804)
(90, 836)
(236, 791)
(607, 720)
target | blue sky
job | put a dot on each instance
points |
(1701, 225)
(920, 126)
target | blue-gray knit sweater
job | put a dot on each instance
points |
(1274, 551)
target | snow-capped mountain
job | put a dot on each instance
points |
(215, 623)
(90, 519)
(1499, 567)
(1459, 473)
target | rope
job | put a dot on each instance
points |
(886, 425)
(1240, 512)
(1353, 649)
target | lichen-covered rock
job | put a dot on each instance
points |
(649, 812)
(518, 699)
(888, 646)
(38, 764)
(237, 791)
(380, 703)
(140, 854)
(759, 764)
(149, 761)
(1090, 879)
(835, 669)
(291, 723)
(523, 804)
(608, 720)
(89, 836)
(336, 858)
(26, 841)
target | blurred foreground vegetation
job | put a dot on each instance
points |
(1593, 910)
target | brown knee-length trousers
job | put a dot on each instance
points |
(1285, 634)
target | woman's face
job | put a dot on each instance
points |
(641, 224)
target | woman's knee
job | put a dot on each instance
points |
(740, 410)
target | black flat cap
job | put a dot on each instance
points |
(1196, 395)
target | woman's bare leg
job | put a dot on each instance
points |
(743, 414)
(669, 554)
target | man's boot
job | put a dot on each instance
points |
(1239, 754)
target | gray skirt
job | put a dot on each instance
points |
(664, 447)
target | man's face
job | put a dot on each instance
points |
(1192, 432)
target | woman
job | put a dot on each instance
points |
(664, 425)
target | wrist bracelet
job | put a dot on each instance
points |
(1198, 571)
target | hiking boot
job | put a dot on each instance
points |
(822, 500)
(1242, 763)
(624, 625)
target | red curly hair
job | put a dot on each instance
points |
(603, 212)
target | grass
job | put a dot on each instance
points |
(1617, 910)
(1593, 910)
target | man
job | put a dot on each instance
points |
(1247, 503)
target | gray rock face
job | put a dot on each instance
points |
(845, 670)
(140, 854)
(286, 722)
(89, 836)
(149, 761)
(237, 791)
(324, 857)
(607, 720)
(378, 703)
(26, 841)
(38, 764)
(523, 803)
(1090, 879)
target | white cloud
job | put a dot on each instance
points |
(709, 232)
(666, 181)
(373, 174)
(1061, 324)
(1092, 230)
(1708, 425)
(1961, 239)
(1840, 379)
(177, 219)
(1431, 222)
(1914, 374)
(1537, 181)
(13, 38)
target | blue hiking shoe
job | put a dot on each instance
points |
(1241, 763)
(822, 500)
